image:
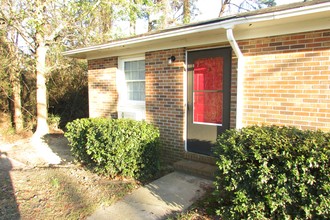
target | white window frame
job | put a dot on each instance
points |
(124, 104)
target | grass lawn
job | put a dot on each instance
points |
(66, 191)
(57, 193)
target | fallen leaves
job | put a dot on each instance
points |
(58, 193)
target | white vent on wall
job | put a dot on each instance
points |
(130, 114)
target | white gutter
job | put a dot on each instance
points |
(240, 75)
(322, 7)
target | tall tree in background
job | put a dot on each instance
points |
(14, 70)
(165, 20)
(39, 24)
(174, 12)
(186, 12)
(106, 18)
(183, 11)
(10, 70)
(228, 7)
(224, 4)
(134, 12)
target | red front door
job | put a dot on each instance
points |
(209, 76)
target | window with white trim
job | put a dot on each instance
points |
(131, 87)
(135, 80)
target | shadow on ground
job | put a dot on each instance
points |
(159, 199)
(8, 203)
(59, 145)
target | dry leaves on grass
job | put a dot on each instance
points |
(58, 193)
(52, 192)
(202, 209)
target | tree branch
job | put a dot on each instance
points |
(17, 28)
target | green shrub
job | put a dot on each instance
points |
(273, 172)
(54, 121)
(115, 146)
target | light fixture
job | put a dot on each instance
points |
(171, 59)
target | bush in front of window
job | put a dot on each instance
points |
(115, 147)
(272, 172)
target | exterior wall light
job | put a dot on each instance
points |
(171, 59)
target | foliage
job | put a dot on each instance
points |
(5, 89)
(273, 172)
(115, 146)
(175, 12)
(54, 121)
(68, 91)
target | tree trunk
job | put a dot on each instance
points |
(166, 13)
(132, 27)
(16, 88)
(186, 11)
(224, 4)
(15, 82)
(132, 17)
(42, 113)
(150, 24)
(106, 20)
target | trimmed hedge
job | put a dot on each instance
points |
(115, 147)
(272, 172)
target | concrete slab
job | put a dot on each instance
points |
(196, 168)
(174, 192)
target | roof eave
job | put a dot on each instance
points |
(229, 22)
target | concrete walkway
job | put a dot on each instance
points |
(172, 193)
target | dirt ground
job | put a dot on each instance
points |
(39, 180)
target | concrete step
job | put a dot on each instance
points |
(196, 168)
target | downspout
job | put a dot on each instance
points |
(240, 75)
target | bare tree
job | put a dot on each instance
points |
(15, 80)
(12, 68)
(243, 5)
(224, 5)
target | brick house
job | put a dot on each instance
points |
(270, 66)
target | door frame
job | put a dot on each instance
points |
(185, 92)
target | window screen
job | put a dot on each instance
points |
(135, 80)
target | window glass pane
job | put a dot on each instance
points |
(136, 90)
(127, 66)
(135, 70)
(141, 75)
(135, 86)
(135, 96)
(135, 79)
(135, 65)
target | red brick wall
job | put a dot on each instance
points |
(103, 96)
(287, 80)
(165, 99)
(233, 90)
